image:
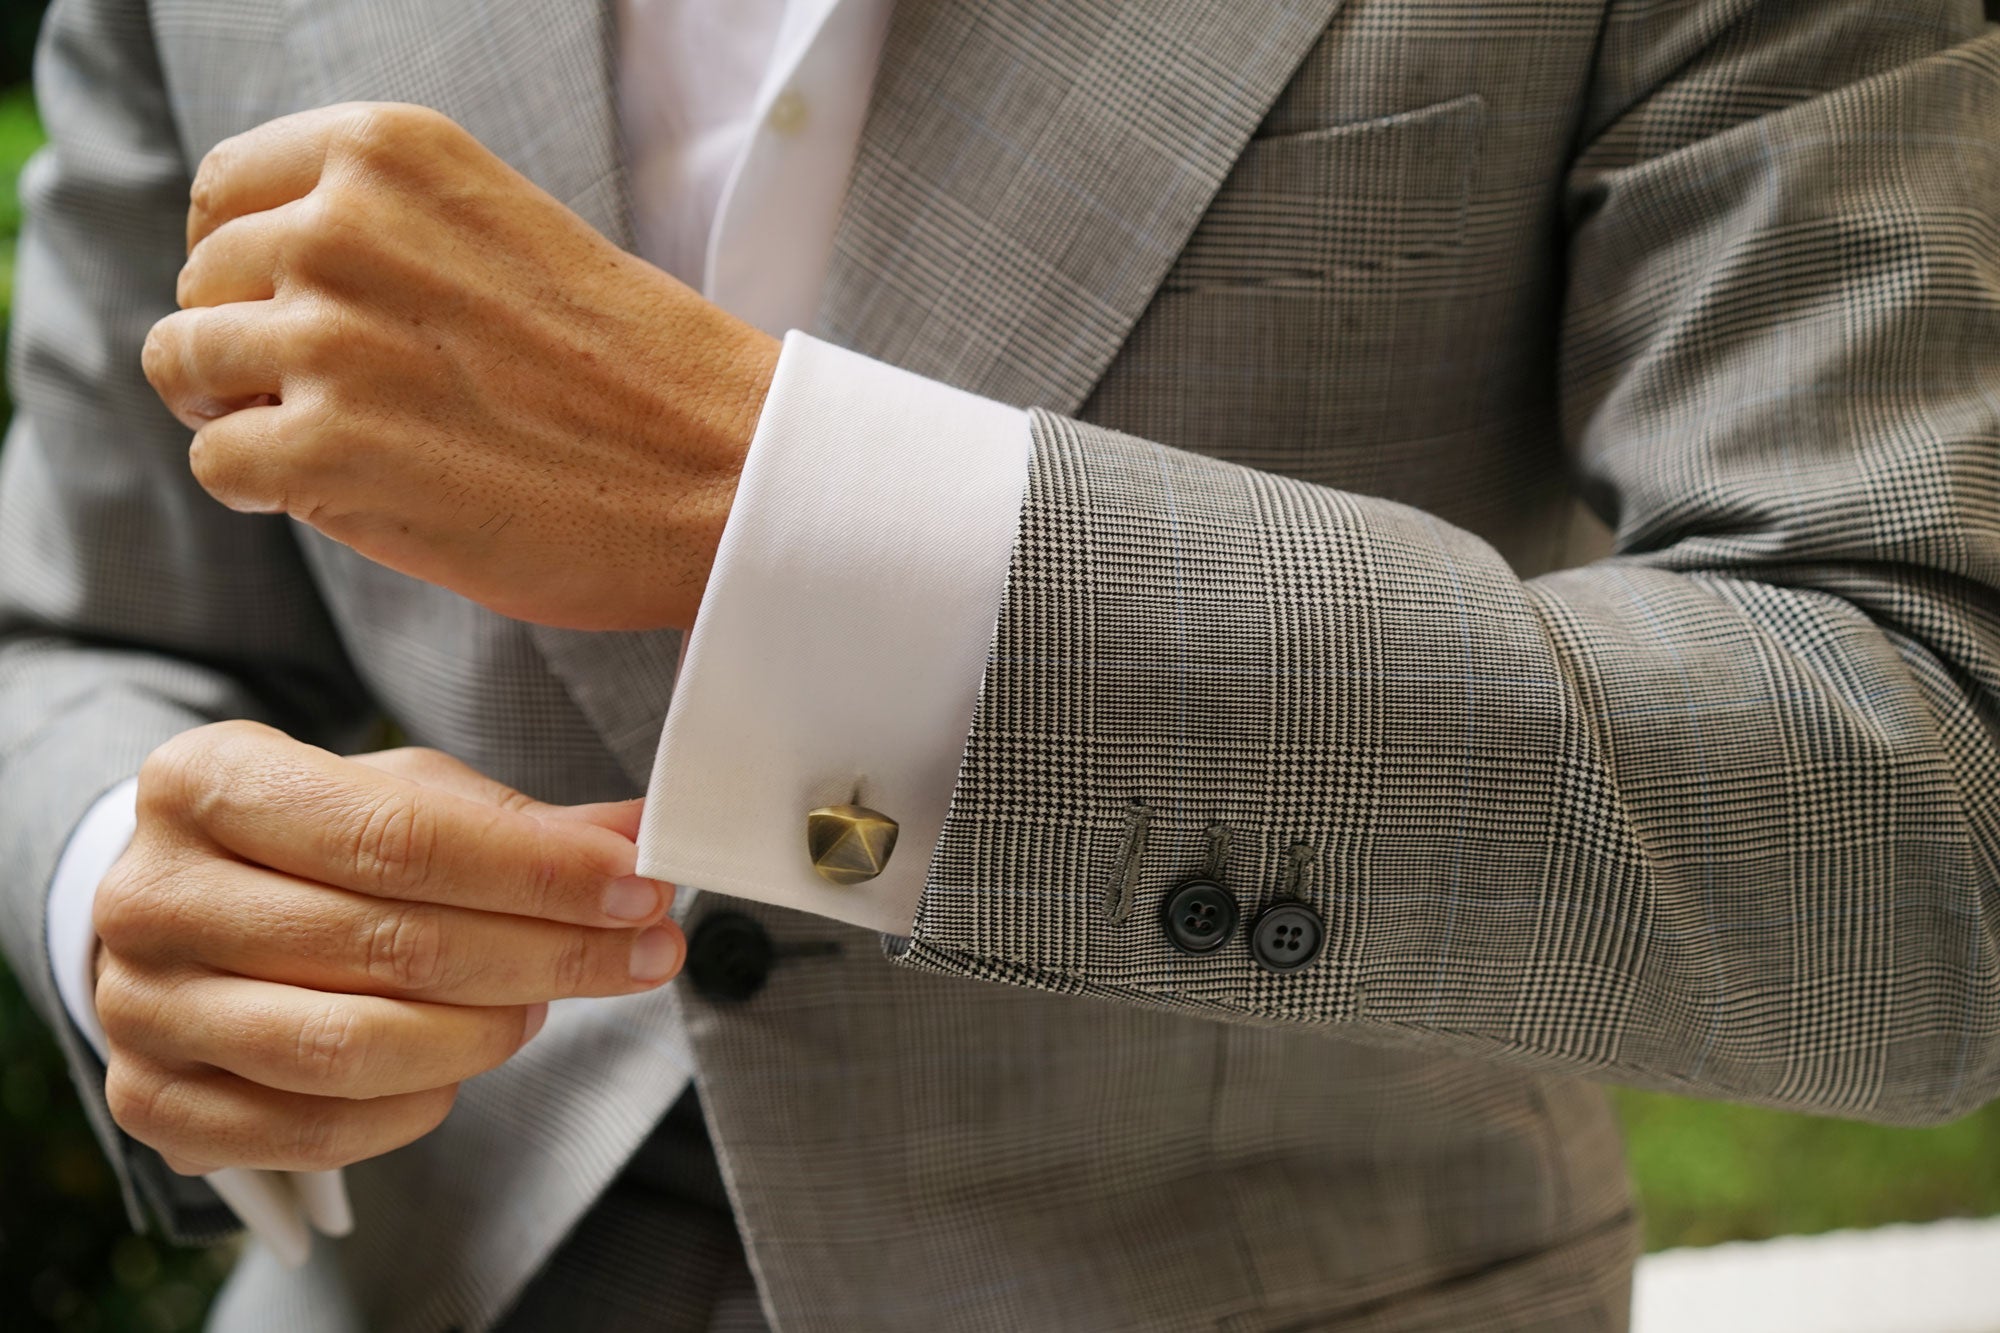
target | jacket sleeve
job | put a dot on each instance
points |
(1719, 813)
(132, 606)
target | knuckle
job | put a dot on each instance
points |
(193, 758)
(386, 132)
(412, 120)
(312, 438)
(123, 910)
(340, 218)
(515, 802)
(173, 772)
(573, 966)
(545, 880)
(205, 188)
(422, 759)
(315, 342)
(234, 746)
(159, 357)
(318, 1140)
(228, 473)
(367, 132)
(212, 466)
(405, 950)
(329, 1046)
(119, 1012)
(208, 260)
(395, 842)
(189, 777)
(143, 1102)
(184, 285)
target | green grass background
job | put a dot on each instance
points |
(1706, 1172)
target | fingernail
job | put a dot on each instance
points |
(538, 1014)
(632, 898)
(656, 953)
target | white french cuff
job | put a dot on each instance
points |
(280, 1207)
(842, 638)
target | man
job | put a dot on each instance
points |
(1188, 843)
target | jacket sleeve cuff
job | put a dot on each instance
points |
(843, 635)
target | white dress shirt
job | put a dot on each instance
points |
(842, 638)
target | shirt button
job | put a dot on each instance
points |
(788, 113)
(729, 957)
(1286, 936)
(1199, 916)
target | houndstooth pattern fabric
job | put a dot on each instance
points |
(1332, 310)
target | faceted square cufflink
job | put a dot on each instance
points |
(849, 843)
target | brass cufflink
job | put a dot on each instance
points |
(849, 843)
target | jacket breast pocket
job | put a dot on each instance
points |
(1378, 196)
(1332, 317)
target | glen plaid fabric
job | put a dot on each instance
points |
(1713, 812)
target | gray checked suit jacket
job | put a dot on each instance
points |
(1330, 312)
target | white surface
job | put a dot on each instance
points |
(741, 119)
(773, 235)
(1941, 1277)
(839, 648)
(688, 76)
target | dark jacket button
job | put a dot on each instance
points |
(1200, 916)
(729, 957)
(1286, 936)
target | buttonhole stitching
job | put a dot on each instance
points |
(1298, 865)
(1118, 894)
(1217, 836)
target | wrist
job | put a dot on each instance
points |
(726, 376)
(727, 395)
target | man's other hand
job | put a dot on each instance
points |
(390, 334)
(302, 955)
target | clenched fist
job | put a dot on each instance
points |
(302, 955)
(390, 334)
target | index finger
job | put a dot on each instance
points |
(337, 822)
(261, 168)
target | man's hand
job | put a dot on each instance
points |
(303, 955)
(390, 334)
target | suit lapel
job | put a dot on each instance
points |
(1029, 170)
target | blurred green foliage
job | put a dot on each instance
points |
(20, 133)
(1706, 1172)
(68, 1261)
(1709, 1172)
